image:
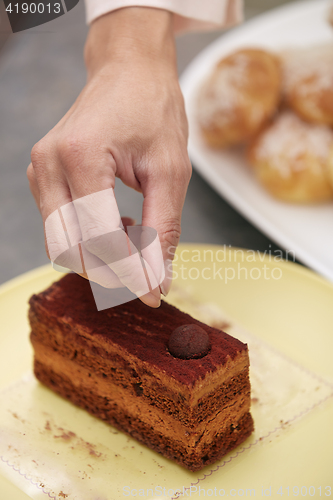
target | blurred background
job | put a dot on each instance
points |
(41, 74)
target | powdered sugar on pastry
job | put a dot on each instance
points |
(220, 94)
(289, 138)
(312, 68)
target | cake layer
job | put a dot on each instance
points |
(225, 408)
(193, 458)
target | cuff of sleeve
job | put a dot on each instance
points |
(190, 15)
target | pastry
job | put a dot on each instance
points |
(308, 83)
(290, 158)
(238, 98)
(175, 384)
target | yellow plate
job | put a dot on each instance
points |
(285, 305)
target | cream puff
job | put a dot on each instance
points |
(238, 98)
(291, 159)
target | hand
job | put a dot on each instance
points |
(128, 122)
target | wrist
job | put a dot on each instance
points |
(139, 33)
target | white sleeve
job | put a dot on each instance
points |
(189, 15)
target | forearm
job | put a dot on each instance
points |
(132, 32)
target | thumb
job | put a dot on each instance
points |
(162, 208)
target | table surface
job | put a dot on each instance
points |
(41, 74)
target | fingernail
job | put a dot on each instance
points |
(166, 283)
(151, 299)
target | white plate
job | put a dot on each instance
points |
(305, 230)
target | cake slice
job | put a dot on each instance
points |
(176, 385)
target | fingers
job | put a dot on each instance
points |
(86, 235)
(89, 179)
(90, 266)
(164, 195)
(104, 237)
(49, 192)
(62, 230)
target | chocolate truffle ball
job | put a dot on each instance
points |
(189, 342)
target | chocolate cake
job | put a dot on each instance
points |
(178, 386)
